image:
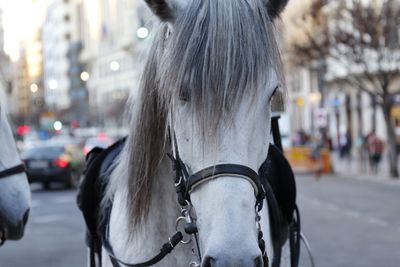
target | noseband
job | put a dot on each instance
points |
(185, 183)
(20, 168)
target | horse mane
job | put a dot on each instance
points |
(217, 53)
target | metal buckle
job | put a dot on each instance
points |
(178, 220)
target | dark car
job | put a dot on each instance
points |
(48, 163)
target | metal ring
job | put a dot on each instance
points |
(194, 264)
(178, 220)
(179, 182)
(186, 210)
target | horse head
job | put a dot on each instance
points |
(218, 69)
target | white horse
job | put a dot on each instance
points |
(205, 99)
(15, 194)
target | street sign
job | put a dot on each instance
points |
(321, 118)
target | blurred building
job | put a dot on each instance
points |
(116, 35)
(34, 84)
(64, 92)
(302, 80)
(20, 87)
(5, 73)
(26, 75)
(59, 31)
(320, 96)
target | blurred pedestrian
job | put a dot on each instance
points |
(362, 151)
(300, 138)
(345, 145)
(375, 150)
(316, 145)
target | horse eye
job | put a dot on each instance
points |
(184, 96)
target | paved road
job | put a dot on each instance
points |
(349, 223)
(54, 234)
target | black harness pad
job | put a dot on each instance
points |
(99, 163)
(280, 176)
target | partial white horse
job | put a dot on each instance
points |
(15, 194)
(205, 98)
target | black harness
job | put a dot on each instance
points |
(283, 224)
(20, 168)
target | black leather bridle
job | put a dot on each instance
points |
(185, 183)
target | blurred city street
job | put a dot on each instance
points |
(71, 80)
(348, 222)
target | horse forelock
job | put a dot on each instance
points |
(218, 53)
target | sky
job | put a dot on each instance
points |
(19, 19)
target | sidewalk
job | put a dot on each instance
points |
(356, 169)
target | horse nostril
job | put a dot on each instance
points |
(208, 262)
(258, 262)
(211, 262)
(25, 218)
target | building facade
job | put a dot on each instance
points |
(6, 92)
(60, 33)
(320, 94)
(116, 36)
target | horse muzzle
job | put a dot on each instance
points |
(13, 229)
(228, 255)
(233, 261)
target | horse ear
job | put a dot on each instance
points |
(164, 9)
(275, 7)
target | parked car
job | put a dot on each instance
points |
(50, 162)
